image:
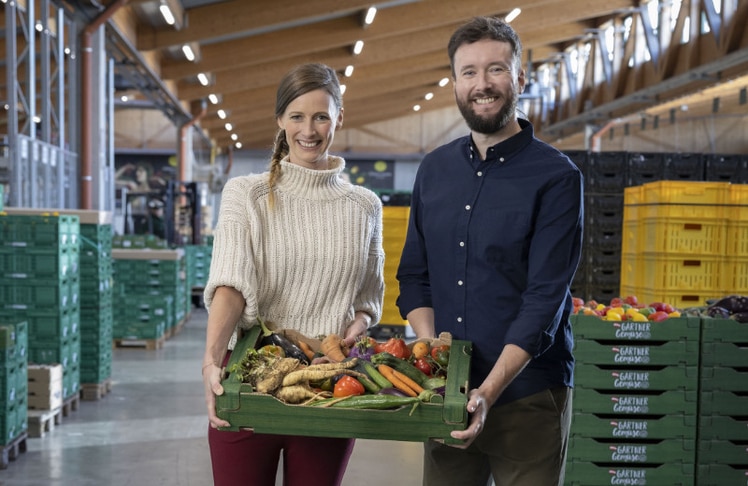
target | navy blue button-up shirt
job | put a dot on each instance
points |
(492, 246)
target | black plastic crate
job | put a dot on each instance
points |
(726, 168)
(603, 260)
(579, 157)
(604, 239)
(603, 213)
(684, 167)
(606, 172)
(645, 167)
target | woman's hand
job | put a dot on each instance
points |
(212, 385)
(356, 329)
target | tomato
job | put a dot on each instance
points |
(658, 316)
(440, 354)
(423, 365)
(420, 349)
(631, 300)
(396, 347)
(616, 302)
(347, 386)
(577, 302)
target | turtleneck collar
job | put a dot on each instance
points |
(312, 183)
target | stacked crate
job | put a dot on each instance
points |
(635, 402)
(675, 239)
(149, 293)
(394, 228)
(39, 284)
(96, 302)
(722, 456)
(198, 258)
(13, 381)
(734, 270)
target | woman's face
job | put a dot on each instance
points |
(310, 122)
(141, 175)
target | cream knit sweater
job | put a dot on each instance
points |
(311, 262)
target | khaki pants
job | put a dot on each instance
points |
(523, 443)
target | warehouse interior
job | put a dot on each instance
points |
(112, 108)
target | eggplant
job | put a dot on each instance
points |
(718, 312)
(391, 391)
(733, 303)
(741, 317)
(291, 349)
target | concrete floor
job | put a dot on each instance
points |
(150, 430)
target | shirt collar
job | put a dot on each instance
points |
(508, 147)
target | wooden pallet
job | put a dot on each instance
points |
(11, 450)
(42, 422)
(149, 344)
(96, 391)
(71, 404)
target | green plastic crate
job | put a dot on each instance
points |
(674, 426)
(265, 414)
(722, 452)
(724, 378)
(587, 351)
(724, 354)
(583, 473)
(723, 427)
(627, 452)
(589, 400)
(673, 329)
(723, 330)
(721, 475)
(677, 377)
(722, 402)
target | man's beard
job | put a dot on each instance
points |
(490, 125)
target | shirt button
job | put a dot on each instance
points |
(467, 208)
(459, 319)
(462, 243)
(459, 282)
(480, 173)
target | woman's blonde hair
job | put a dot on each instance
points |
(300, 80)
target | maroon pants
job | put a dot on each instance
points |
(248, 459)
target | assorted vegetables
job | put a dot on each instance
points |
(371, 374)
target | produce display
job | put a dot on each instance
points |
(389, 390)
(626, 308)
(325, 373)
(733, 307)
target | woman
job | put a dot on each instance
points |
(301, 248)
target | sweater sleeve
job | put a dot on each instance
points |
(232, 263)
(371, 294)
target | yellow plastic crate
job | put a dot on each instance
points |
(633, 195)
(631, 236)
(680, 299)
(681, 273)
(739, 194)
(686, 192)
(683, 236)
(734, 274)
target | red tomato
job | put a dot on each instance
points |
(616, 302)
(347, 386)
(631, 300)
(577, 302)
(440, 354)
(658, 316)
(423, 365)
(396, 347)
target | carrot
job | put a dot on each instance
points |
(408, 381)
(332, 347)
(307, 350)
(396, 381)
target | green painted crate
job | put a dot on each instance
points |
(583, 473)
(590, 400)
(724, 330)
(676, 377)
(673, 329)
(724, 354)
(587, 351)
(626, 452)
(266, 414)
(723, 402)
(674, 426)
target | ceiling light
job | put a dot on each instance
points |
(417, 108)
(342, 89)
(358, 47)
(512, 15)
(213, 98)
(124, 98)
(349, 70)
(234, 137)
(238, 145)
(188, 52)
(229, 127)
(167, 15)
(370, 14)
(203, 79)
(39, 27)
(221, 114)
(443, 82)
(429, 96)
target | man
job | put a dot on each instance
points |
(493, 241)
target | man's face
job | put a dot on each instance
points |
(487, 85)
